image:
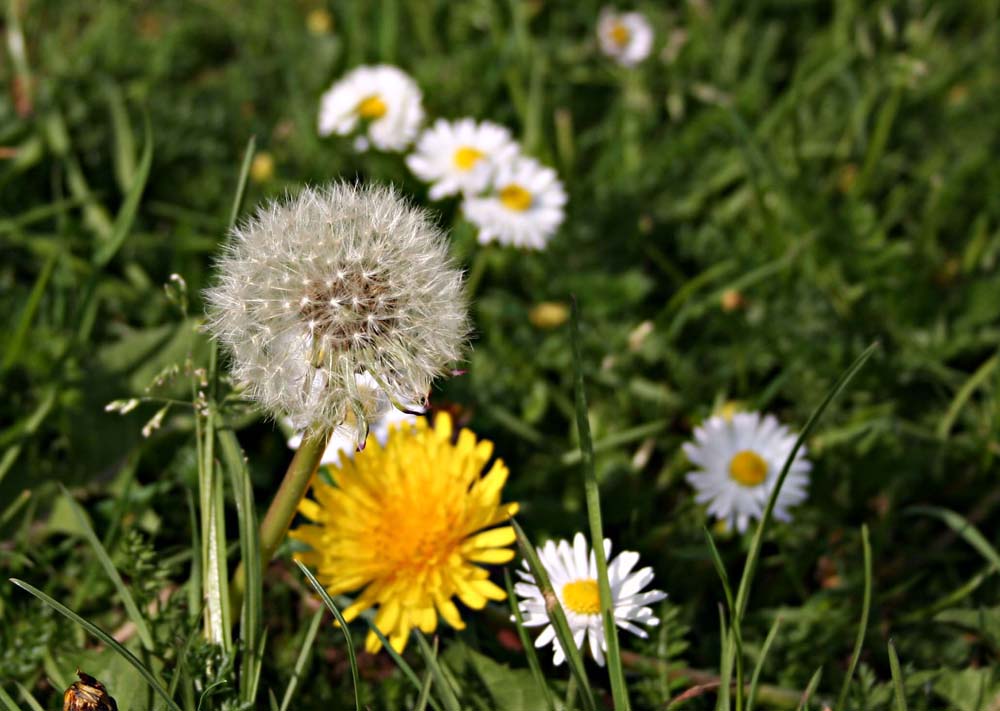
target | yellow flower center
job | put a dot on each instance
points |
(372, 107)
(619, 34)
(582, 597)
(466, 157)
(514, 197)
(748, 468)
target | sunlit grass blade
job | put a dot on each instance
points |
(557, 617)
(241, 182)
(974, 382)
(810, 689)
(619, 691)
(29, 699)
(863, 627)
(104, 637)
(444, 688)
(305, 652)
(750, 568)
(962, 527)
(897, 678)
(8, 703)
(328, 601)
(130, 206)
(755, 678)
(131, 608)
(253, 590)
(526, 642)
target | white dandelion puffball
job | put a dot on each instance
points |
(572, 572)
(382, 100)
(525, 207)
(739, 460)
(384, 416)
(625, 37)
(460, 157)
(339, 282)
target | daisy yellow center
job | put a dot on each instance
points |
(748, 468)
(372, 107)
(466, 157)
(408, 526)
(619, 34)
(514, 197)
(582, 596)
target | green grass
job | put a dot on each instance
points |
(834, 163)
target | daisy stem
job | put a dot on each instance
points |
(283, 506)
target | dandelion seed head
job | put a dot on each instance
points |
(338, 282)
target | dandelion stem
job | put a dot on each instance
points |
(284, 504)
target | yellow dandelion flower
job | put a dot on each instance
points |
(407, 523)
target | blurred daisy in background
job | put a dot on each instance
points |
(572, 571)
(524, 208)
(408, 524)
(626, 37)
(382, 100)
(739, 459)
(461, 156)
(344, 440)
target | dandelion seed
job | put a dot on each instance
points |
(407, 524)
(524, 208)
(460, 157)
(382, 99)
(572, 571)
(625, 37)
(337, 283)
(740, 456)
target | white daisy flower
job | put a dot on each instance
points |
(625, 37)
(345, 438)
(460, 156)
(573, 574)
(383, 99)
(740, 458)
(525, 207)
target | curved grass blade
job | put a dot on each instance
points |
(17, 340)
(445, 690)
(557, 617)
(400, 662)
(104, 637)
(755, 678)
(616, 673)
(810, 689)
(897, 678)
(529, 647)
(425, 693)
(733, 637)
(131, 608)
(962, 527)
(126, 214)
(863, 627)
(351, 656)
(303, 659)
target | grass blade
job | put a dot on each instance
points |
(863, 627)
(810, 689)
(127, 212)
(250, 615)
(445, 690)
(897, 678)
(18, 338)
(29, 699)
(401, 663)
(131, 608)
(241, 182)
(962, 527)
(734, 634)
(619, 692)
(425, 693)
(8, 703)
(557, 617)
(529, 647)
(303, 659)
(755, 678)
(351, 656)
(104, 637)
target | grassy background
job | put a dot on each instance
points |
(834, 163)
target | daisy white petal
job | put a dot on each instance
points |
(740, 458)
(625, 37)
(461, 156)
(573, 566)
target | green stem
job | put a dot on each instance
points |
(285, 503)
